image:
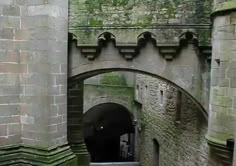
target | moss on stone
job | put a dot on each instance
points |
(229, 5)
(94, 22)
(130, 13)
(112, 79)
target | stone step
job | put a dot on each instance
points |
(116, 164)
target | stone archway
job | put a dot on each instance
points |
(106, 99)
(109, 132)
(75, 111)
(184, 63)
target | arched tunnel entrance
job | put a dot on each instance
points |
(106, 125)
(109, 133)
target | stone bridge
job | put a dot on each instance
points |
(184, 62)
(148, 37)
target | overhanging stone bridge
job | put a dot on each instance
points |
(184, 62)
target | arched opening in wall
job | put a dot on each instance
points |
(109, 133)
(156, 152)
(117, 153)
(178, 66)
(92, 73)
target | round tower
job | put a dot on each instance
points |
(222, 109)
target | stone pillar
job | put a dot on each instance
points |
(9, 81)
(40, 43)
(75, 122)
(222, 109)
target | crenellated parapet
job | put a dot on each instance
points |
(129, 50)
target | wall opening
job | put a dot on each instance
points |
(161, 97)
(156, 153)
(109, 133)
(118, 148)
(178, 106)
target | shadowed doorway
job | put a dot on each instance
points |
(109, 133)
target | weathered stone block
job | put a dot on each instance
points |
(11, 11)
(9, 90)
(14, 129)
(233, 83)
(231, 73)
(27, 120)
(9, 110)
(3, 130)
(47, 9)
(223, 82)
(6, 2)
(62, 109)
(9, 141)
(9, 22)
(42, 21)
(60, 99)
(9, 79)
(9, 100)
(10, 119)
(214, 81)
(9, 56)
(223, 101)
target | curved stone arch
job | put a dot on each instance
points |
(182, 66)
(92, 73)
(125, 108)
(108, 99)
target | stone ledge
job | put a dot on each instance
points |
(35, 156)
(80, 150)
(215, 142)
(220, 151)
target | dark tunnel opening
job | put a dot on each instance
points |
(109, 133)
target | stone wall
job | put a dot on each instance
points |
(43, 54)
(127, 19)
(223, 79)
(33, 71)
(138, 13)
(33, 82)
(114, 87)
(180, 132)
(10, 17)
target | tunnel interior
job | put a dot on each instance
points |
(109, 133)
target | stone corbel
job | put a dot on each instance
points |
(128, 52)
(168, 52)
(90, 52)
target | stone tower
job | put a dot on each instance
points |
(223, 74)
(33, 79)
